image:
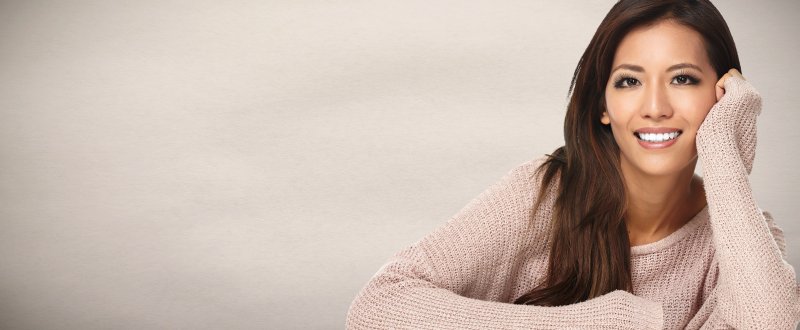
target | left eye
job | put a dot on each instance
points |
(683, 80)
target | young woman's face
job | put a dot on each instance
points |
(659, 91)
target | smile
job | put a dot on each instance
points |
(657, 137)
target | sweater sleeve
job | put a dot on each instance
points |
(757, 287)
(458, 276)
(709, 316)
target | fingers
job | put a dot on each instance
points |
(736, 73)
(720, 86)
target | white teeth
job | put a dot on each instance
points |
(658, 137)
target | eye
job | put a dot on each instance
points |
(625, 82)
(685, 80)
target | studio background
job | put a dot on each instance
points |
(251, 164)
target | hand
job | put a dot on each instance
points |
(721, 83)
(731, 119)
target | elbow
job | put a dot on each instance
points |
(360, 311)
(381, 304)
(373, 308)
(368, 308)
(385, 300)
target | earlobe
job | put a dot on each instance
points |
(604, 119)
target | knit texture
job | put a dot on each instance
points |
(725, 268)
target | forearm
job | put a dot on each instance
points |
(454, 277)
(757, 286)
(395, 300)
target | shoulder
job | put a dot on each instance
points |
(525, 182)
(529, 172)
(509, 202)
(510, 198)
(521, 183)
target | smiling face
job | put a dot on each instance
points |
(659, 91)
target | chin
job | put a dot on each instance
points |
(658, 166)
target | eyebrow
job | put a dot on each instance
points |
(637, 68)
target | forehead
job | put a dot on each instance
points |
(661, 45)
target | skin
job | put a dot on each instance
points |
(662, 190)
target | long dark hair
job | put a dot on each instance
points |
(590, 253)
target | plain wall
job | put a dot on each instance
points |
(251, 164)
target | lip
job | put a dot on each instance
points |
(657, 145)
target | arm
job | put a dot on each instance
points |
(458, 276)
(756, 285)
(709, 316)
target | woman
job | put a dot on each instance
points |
(614, 229)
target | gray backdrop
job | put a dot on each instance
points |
(251, 164)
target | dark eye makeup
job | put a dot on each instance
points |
(687, 78)
(625, 80)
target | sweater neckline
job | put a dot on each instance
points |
(673, 238)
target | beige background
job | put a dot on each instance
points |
(251, 164)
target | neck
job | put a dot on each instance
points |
(659, 205)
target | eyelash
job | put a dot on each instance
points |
(691, 80)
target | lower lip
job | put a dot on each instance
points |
(656, 145)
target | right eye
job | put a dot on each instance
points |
(625, 82)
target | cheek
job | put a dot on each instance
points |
(620, 109)
(694, 107)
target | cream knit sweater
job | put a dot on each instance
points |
(725, 268)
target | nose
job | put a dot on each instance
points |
(656, 103)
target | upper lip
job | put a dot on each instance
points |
(657, 130)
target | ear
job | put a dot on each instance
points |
(604, 119)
